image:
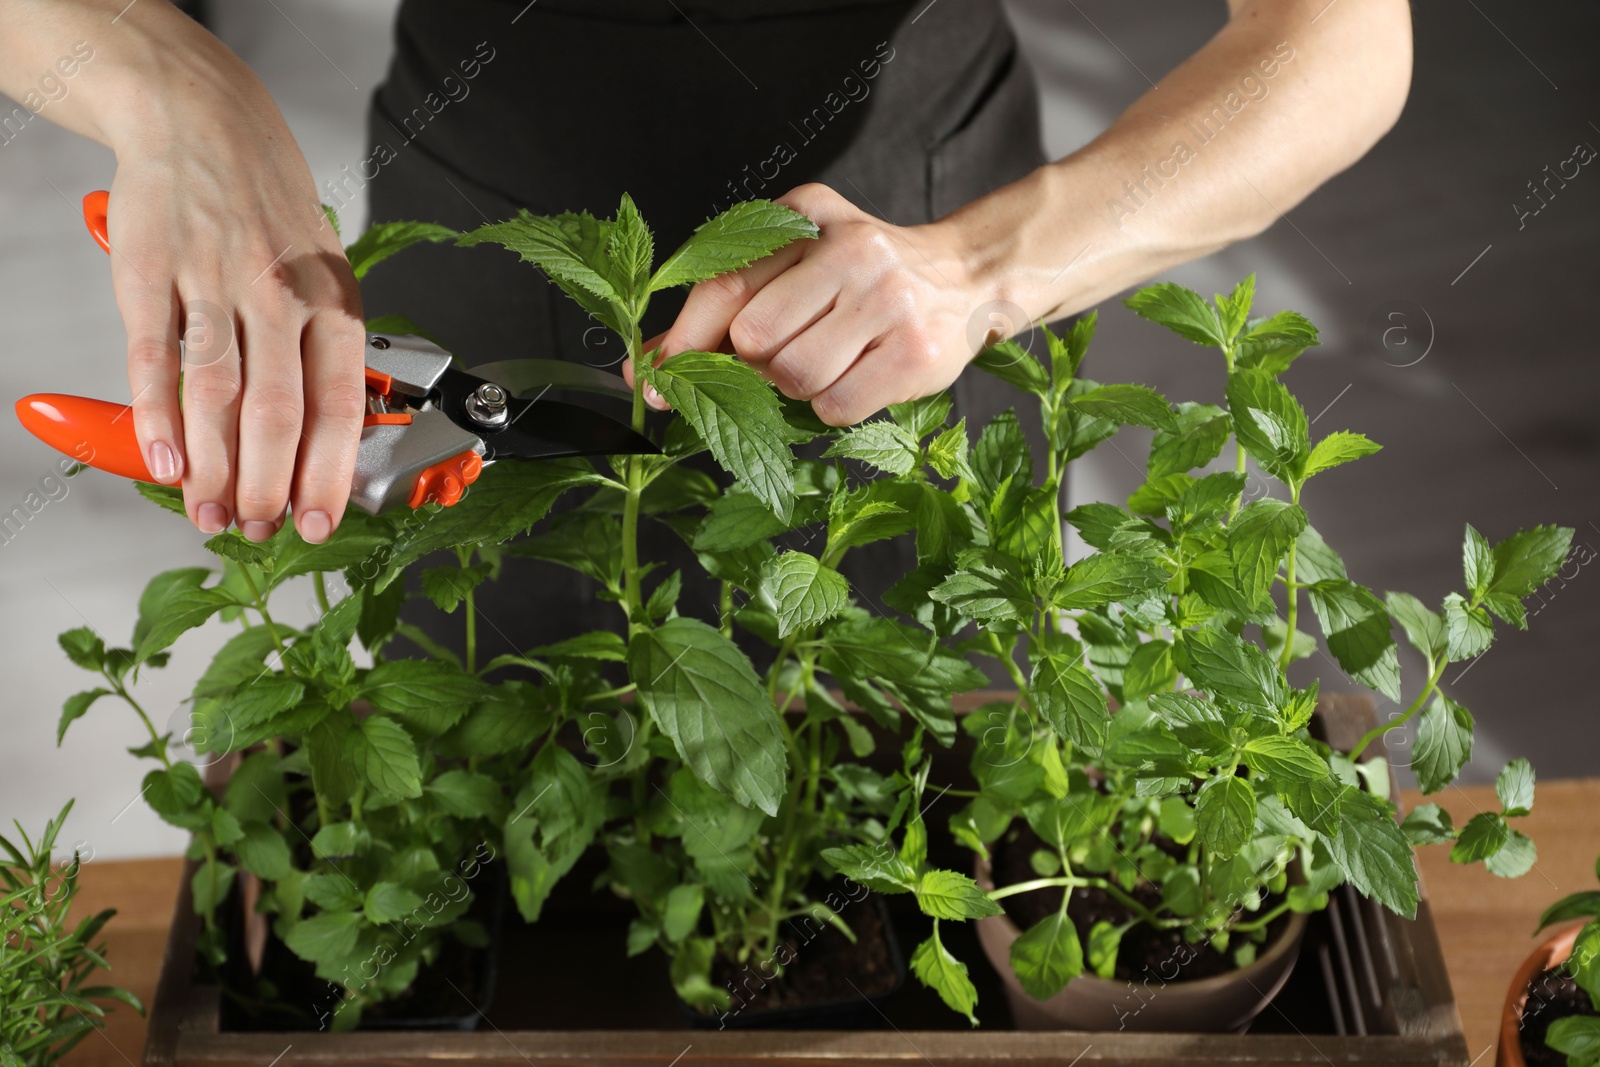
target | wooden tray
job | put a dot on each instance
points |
(1369, 988)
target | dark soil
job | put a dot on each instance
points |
(823, 965)
(1552, 995)
(1143, 952)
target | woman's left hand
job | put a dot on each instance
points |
(868, 315)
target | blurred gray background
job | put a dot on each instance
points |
(1463, 343)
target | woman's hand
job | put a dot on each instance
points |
(868, 315)
(217, 238)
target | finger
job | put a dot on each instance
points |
(149, 306)
(153, 364)
(785, 306)
(815, 359)
(335, 403)
(212, 384)
(888, 373)
(712, 305)
(270, 420)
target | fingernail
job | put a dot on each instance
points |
(653, 398)
(256, 530)
(213, 517)
(163, 464)
(315, 526)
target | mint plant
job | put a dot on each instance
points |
(368, 798)
(46, 962)
(1201, 804)
(736, 779)
(1578, 1036)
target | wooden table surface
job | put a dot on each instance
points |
(1485, 923)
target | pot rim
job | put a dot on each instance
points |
(1551, 951)
(1286, 942)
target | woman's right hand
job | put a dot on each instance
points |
(218, 238)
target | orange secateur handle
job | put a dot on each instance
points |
(100, 434)
(95, 432)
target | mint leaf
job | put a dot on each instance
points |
(1047, 956)
(386, 238)
(883, 444)
(1221, 664)
(1201, 432)
(426, 694)
(801, 592)
(1477, 563)
(1273, 344)
(1372, 852)
(1270, 424)
(1126, 403)
(1234, 309)
(1444, 743)
(737, 520)
(172, 604)
(738, 416)
(570, 248)
(328, 937)
(1183, 311)
(1337, 448)
(878, 867)
(1103, 578)
(263, 852)
(76, 706)
(83, 647)
(1468, 630)
(385, 757)
(1424, 628)
(1066, 353)
(1581, 905)
(1514, 786)
(1526, 560)
(1428, 824)
(1484, 835)
(1015, 366)
(923, 416)
(746, 232)
(1284, 757)
(1258, 540)
(448, 586)
(631, 250)
(941, 972)
(987, 587)
(1225, 815)
(706, 697)
(1578, 1036)
(951, 895)
(1356, 626)
(1072, 702)
(1001, 454)
(1515, 858)
(388, 902)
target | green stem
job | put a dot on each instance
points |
(1265, 918)
(472, 631)
(1074, 881)
(1416, 705)
(1293, 593)
(122, 691)
(320, 584)
(261, 609)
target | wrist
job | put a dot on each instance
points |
(165, 78)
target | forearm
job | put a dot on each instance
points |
(133, 68)
(1279, 100)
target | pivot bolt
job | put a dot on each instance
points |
(380, 343)
(487, 405)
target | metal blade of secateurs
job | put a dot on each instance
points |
(530, 377)
(539, 428)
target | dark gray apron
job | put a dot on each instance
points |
(909, 110)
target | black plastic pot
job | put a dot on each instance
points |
(851, 1013)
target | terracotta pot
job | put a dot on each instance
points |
(1221, 1003)
(1552, 951)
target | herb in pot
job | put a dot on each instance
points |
(46, 1005)
(1202, 805)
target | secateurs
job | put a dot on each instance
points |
(429, 430)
